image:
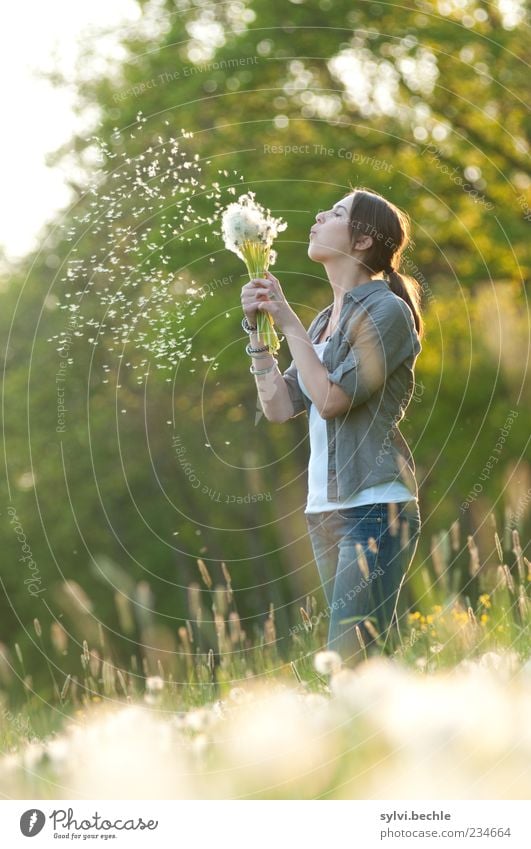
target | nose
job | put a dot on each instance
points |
(319, 216)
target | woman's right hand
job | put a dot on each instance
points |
(250, 299)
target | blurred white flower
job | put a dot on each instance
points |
(198, 719)
(503, 665)
(127, 754)
(274, 748)
(327, 662)
(506, 664)
(32, 755)
(154, 684)
(239, 695)
(386, 731)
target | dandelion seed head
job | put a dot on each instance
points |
(327, 662)
(247, 221)
(154, 684)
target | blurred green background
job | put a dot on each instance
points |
(424, 103)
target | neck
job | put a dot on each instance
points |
(344, 274)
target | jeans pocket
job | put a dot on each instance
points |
(366, 530)
(372, 513)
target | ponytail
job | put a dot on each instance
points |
(389, 228)
(408, 289)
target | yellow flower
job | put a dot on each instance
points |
(483, 618)
(460, 616)
(484, 599)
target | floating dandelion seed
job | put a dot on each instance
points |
(125, 293)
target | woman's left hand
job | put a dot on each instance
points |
(270, 298)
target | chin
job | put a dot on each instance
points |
(314, 248)
(317, 252)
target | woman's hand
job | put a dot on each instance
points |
(249, 302)
(265, 294)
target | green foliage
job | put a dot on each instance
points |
(273, 102)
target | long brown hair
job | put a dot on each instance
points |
(390, 227)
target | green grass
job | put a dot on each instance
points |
(477, 649)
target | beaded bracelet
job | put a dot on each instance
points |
(251, 351)
(264, 370)
(246, 326)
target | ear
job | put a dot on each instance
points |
(363, 242)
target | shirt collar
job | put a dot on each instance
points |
(357, 293)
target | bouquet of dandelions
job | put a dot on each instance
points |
(249, 230)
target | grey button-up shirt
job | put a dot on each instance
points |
(371, 356)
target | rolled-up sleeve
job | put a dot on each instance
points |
(376, 342)
(294, 390)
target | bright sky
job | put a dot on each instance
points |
(42, 34)
(37, 117)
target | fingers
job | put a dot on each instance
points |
(260, 291)
(253, 290)
(254, 305)
(258, 284)
(265, 281)
(254, 293)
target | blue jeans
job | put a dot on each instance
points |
(363, 555)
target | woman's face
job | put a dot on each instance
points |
(331, 235)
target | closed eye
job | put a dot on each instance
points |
(333, 211)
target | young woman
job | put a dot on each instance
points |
(352, 372)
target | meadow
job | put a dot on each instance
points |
(441, 713)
